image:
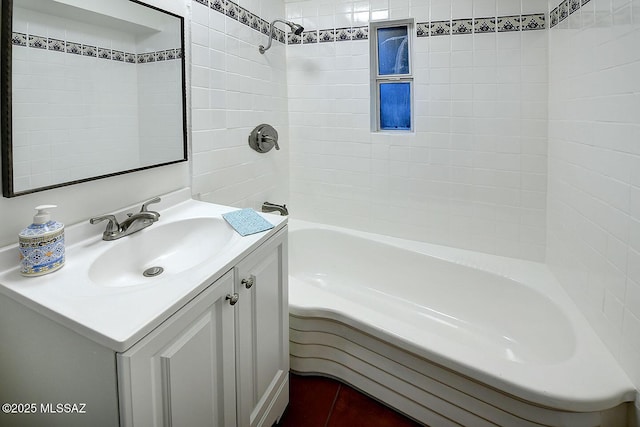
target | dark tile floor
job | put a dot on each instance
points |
(324, 402)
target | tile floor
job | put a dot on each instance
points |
(323, 402)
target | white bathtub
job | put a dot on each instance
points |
(447, 336)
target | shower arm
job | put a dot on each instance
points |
(263, 49)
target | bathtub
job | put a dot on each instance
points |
(447, 336)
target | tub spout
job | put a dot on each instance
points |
(272, 207)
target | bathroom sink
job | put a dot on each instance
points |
(175, 247)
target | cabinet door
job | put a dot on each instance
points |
(262, 319)
(183, 373)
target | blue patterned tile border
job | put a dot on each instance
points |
(343, 34)
(563, 10)
(508, 23)
(423, 29)
(462, 26)
(310, 37)
(536, 21)
(75, 48)
(328, 35)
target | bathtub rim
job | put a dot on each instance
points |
(598, 382)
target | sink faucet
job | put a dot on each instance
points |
(272, 207)
(134, 222)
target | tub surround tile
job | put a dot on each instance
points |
(325, 36)
(508, 23)
(343, 34)
(360, 33)
(56, 45)
(88, 50)
(293, 39)
(533, 22)
(422, 29)
(563, 11)
(309, 37)
(461, 26)
(74, 48)
(554, 17)
(217, 5)
(440, 28)
(104, 53)
(484, 25)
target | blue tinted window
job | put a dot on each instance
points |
(395, 106)
(393, 51)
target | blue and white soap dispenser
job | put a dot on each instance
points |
(41, 244)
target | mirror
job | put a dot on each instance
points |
(90, 89)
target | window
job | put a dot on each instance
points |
(391, 76)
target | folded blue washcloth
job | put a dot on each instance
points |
(247, 221)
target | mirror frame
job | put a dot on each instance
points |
(6, 134)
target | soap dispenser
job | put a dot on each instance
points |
(41, 244)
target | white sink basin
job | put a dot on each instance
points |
(175, 247)
(101, 292)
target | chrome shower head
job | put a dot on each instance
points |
(295, 28)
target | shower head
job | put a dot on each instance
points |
(295, 28)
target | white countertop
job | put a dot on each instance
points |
(117, 317)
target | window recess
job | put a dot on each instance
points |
(391, 75)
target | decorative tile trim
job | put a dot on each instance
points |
(508, 23)
(310, 37)
(462, 26)
(293, 39)
(501, 24)
(75, 48)
(484, 25)
(360, 33)
(423, 29)
(440, 28)
(563, 10)
(343, 34)
(328, 35)
(533, 22)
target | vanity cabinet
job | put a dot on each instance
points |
(262, 335)
(209, 364)
(221, 360)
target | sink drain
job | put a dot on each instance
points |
(153, 271)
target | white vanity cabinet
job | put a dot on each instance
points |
(183, 373)
(221, 360)
(262, 335)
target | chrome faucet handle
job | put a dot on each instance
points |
(112, 227)
(272, 139)
(145, 205)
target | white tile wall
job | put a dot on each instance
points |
(594, 159)
(473, 175)
(235, 88)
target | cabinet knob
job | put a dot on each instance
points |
(232, 298)
(248, 283)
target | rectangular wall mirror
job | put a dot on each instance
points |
(90, 89)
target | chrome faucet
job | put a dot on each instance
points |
(134, 222)
(272, 207)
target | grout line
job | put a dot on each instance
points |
(333, 404)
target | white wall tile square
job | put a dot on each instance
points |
(593, 207)
(477, 150)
